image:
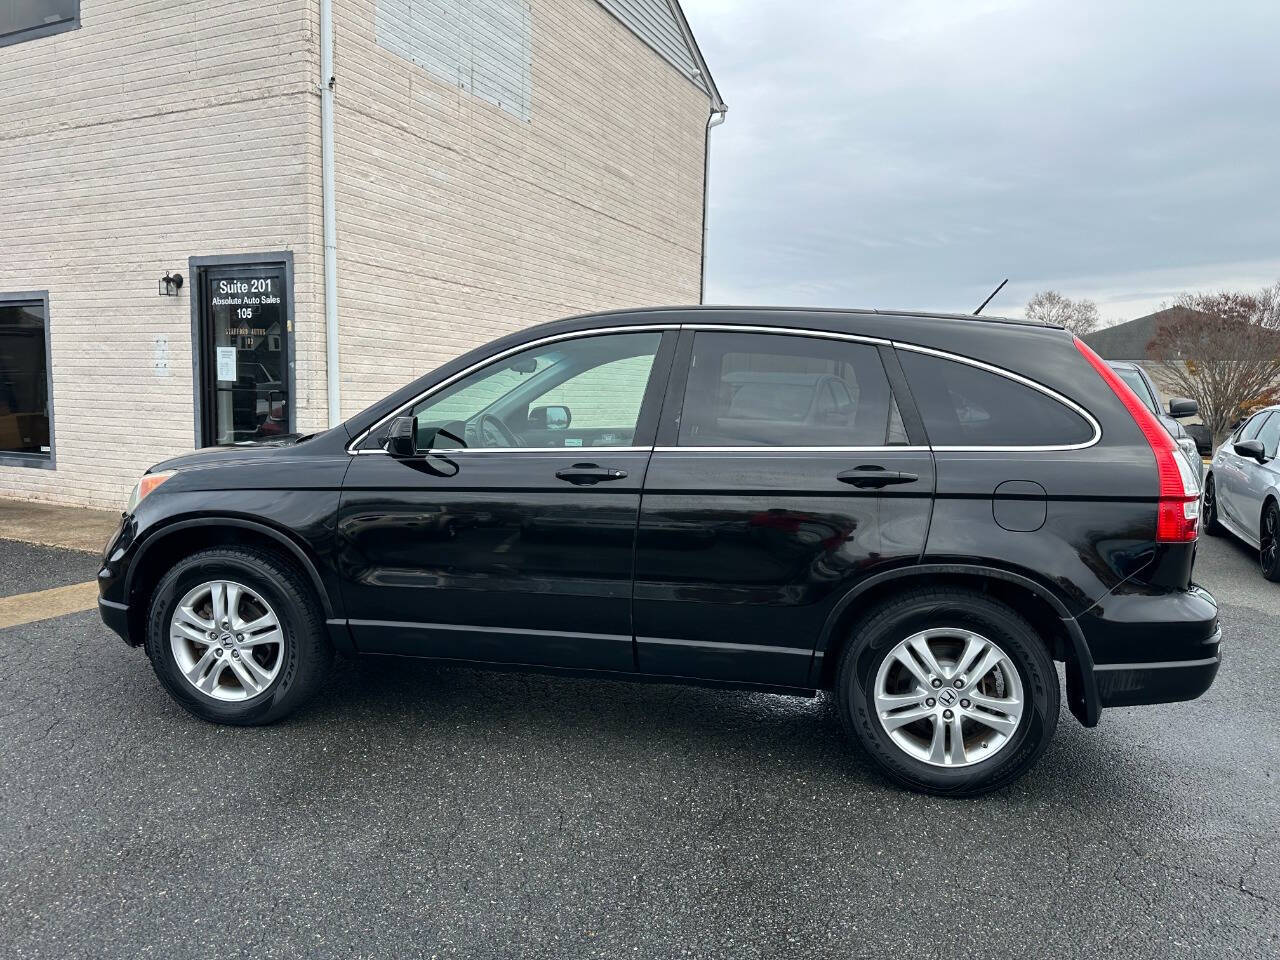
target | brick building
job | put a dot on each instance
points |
(495, 163)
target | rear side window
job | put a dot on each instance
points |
(967, 406)
(763, 389)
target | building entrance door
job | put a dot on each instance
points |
(244, 342)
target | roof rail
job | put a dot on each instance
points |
(923, 314)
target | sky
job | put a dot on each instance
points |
(913, 153)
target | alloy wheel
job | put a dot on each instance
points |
(1210, 510)
(1269, 552)
(949, 697)
(226, 640)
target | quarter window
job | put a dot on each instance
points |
(27, 19)
(760, 389)
(586, 392)
(24, 381)
(966, 406)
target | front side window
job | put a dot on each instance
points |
(1270, 435)
(1252, 427)
(27, 19)
(24, 380)
(966, 406)
(586, 392)
(764, 389)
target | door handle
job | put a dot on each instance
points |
(871, 477)
(586, 474)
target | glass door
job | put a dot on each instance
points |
(244, 353)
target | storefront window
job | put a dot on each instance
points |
(24, 380)
(28, 19)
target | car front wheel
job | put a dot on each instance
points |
(950, 692)
(1212, 526)
(1269, 542)
(235, 636)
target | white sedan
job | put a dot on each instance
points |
(1242, 490)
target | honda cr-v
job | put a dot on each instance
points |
(920, 514)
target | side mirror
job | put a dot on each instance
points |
(1179, 408)
(446, 436)
(402, 438)
(1251, 448)
(554, 417)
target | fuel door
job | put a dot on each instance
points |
(1019, 505)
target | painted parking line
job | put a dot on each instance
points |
(44, 604)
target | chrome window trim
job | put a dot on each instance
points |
(451, 451)
(902, 448)
(1025, 381)
(541, 341)
(753, 328)
(786, 331)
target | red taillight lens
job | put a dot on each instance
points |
(1178, 511)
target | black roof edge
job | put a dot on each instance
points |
(867, 311)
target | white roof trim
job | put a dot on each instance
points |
(717, 103)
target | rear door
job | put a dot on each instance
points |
(783, 474)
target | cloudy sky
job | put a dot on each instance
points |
(913, 153)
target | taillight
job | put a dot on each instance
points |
(1178, 510)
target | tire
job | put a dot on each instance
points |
(294, 658)
(946, 618)
(1269, 542)
(1209, 507)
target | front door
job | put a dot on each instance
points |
(1232, 480)
(783, 475)
(243, 350)
(511, 539)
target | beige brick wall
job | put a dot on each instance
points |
(155, 132)
(161, 131)
(458, 221)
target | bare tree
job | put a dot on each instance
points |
(1222, 350)
(1049, 306)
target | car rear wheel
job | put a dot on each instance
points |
(1212, 526)
(1269, 542)
(235, 636)
(950, 692)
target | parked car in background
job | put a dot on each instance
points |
(1242, 489)
(1202, 436)
(919, 513)
(1141, 384)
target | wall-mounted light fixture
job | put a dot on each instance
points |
(170, 284)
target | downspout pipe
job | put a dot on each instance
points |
(327, 81)
(714, 120)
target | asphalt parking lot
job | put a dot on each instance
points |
(416, 810)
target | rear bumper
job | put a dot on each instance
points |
(1130, 684)
(1153, 648)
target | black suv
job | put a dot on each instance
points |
(919, 513)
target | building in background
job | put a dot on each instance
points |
(1133, 341)
(496, 163)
